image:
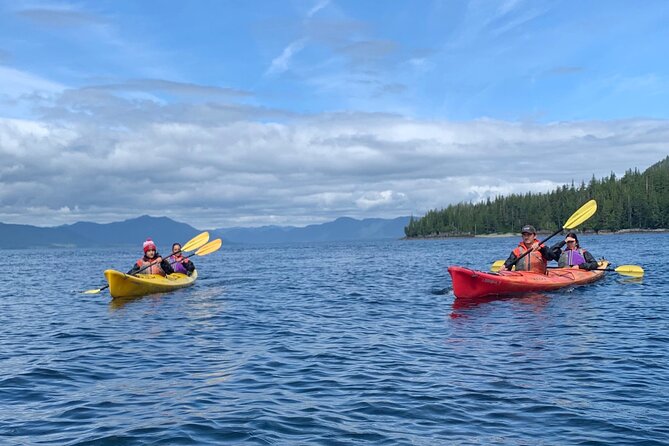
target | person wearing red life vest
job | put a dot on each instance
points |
(537, 260)
(152, 262)
(180, 263)
(574, 256)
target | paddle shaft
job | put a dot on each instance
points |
(596, 269)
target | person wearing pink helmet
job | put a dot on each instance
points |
(152, 262)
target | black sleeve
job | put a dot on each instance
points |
(510, 261)
(165, 265)
(133, 270)
(189, 267)
(546, 253)
(556, 251)
(590, 262)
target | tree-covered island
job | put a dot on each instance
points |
(638, 200)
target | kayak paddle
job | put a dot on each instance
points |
(195, 242)
(577, 218)
(192, 244)
(629, 270)
(625, 270)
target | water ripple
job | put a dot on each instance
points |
(334, 344)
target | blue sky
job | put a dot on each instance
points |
(296, 112)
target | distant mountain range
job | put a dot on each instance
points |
(84, 234)
(343, 228)
(165, 231)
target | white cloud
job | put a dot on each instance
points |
(317, 7)
(379, 199)
(281, 63)
(234, 165)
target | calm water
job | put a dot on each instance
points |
(333, 344)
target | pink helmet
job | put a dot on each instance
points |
(148, 244)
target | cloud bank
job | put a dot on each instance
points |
(99, 155)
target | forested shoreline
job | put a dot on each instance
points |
(636, 201)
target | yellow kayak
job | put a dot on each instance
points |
(124, 285)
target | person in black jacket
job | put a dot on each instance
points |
(573, 256)
(152, 262)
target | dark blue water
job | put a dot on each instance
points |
(333, 344)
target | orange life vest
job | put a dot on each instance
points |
(534, 261)
(153, 266)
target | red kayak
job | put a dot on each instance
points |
(469, 283)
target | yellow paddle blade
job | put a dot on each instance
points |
(630, 270)
(497, 265)
(209, 247)
(95, 291)
(581, 215)
(196, 242)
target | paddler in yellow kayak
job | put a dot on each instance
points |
(152, 262)
(180, 263)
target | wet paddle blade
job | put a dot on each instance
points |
(581, 215)
(196, 242)
(96, 290)
(630, 270)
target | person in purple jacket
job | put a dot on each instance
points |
(180, 264)
(573, 256)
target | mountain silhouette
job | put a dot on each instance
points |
(162, 230)
(343, 228)
(165, 231)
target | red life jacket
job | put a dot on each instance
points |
(534, 261)
(154, 267)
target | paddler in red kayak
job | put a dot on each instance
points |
(538, 258)
(152, 261)
(180, 263)
(574, 256)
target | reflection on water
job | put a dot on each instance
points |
(535, 301)
(119, 303)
